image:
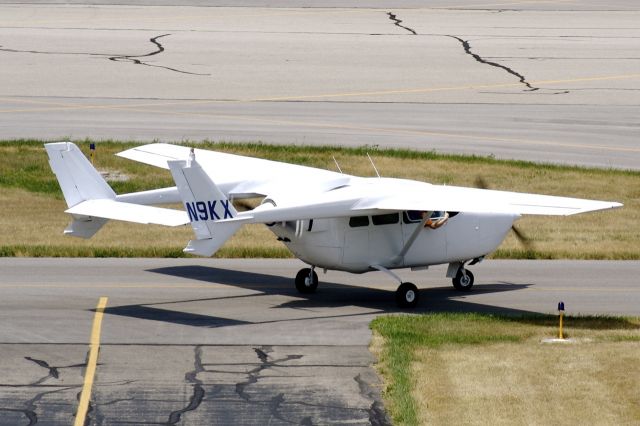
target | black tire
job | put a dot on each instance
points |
(407, 295)
(463, 282)
(303, 284)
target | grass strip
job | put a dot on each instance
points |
(405, 343)
(22, 250)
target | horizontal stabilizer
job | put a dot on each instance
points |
(110, 209)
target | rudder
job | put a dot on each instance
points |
(212, 216)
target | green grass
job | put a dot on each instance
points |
(606, 235)
(403, 336)
(22, 250)
(24, 164)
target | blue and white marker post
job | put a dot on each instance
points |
(561, 314)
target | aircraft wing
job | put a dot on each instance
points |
(461, 199)
(308, 192)
(237, 175)
(376, 196)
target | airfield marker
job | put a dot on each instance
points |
(92, 151)
(561, 313)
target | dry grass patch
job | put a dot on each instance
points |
(24, 173)
(32, 225)
(484, 369)
(583, 383)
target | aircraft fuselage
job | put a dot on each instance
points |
(355, 244)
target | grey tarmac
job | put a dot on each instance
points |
(546, 81)
(230, 341)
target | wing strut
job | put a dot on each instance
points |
(412, 238)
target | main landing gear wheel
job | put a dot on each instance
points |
(407, 295)
(307, 281)
(463, 281)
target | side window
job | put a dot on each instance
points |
(385, 219)
(412, 216)
(356, 221)
(415, 216)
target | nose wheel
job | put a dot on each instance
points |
(407, 295)
(306, 281)
(463, 281)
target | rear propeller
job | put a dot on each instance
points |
(526, 242)
(242, 205)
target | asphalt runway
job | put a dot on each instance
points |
(207, 341)
(548, 81)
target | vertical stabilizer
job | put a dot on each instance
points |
(212, 216)
(79, 181)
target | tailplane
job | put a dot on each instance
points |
(91, 200)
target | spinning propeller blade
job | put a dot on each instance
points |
(526, 242)
(242, 205)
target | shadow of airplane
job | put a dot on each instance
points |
(329, 295)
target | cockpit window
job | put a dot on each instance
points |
(356, 221)
(385, 219)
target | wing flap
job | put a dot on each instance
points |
(110, 209)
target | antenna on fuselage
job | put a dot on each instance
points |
(337, 165)
(374, 166)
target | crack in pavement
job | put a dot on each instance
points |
(268, 400)
(41, 52)
(160, 48)
(274, 407)
(99, 417)
(30, 415)
(31, 405)
(467, 48)
(115, 58)
(253, 376)
(198, 390)
(397, 22)
(53, 371)
(306, 422)
(377, 416)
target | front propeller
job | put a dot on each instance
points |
(526, 242)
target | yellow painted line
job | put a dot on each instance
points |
(450, 88)
(55, 106)
(392, 131)
(90, 372)
(503, 4)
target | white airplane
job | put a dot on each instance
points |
(329, 220)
